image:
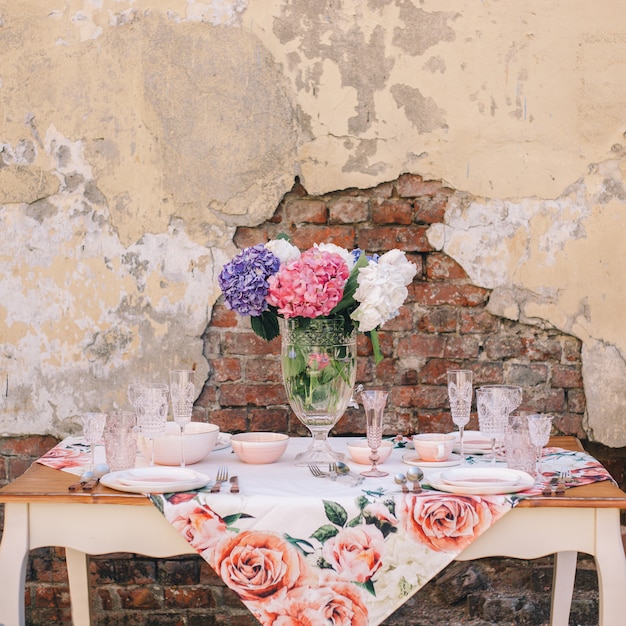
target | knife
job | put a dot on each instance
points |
(234, 484)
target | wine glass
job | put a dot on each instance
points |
(460, 395)
(93, 429)
(374, 401)
(539, 427)
(150, 401)
(181, 394)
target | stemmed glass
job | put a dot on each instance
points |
(150, 401)
(374, 401)
(181, 394)
(460, 395)
(539, 427)
(509, 397)
(93, 429)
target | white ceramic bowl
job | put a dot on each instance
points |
(258, 448)
(199, 440)
(360, 451)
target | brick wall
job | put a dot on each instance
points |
(443, 324)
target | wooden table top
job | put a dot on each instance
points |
(44, 484)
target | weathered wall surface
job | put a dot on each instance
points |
(136, 136)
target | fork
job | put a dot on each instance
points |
(221, 477)
(564, 477)
(316, 471)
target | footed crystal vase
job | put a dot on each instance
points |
(318, 361)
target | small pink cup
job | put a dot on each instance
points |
(434, 446)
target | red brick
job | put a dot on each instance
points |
(230, 420)
(433, 294)
(401, 396)
(52, 597)
(344, 236)
(239, 394)
(413, 186)
(31, 445)
(421, 346)
(140, 598)
(430, 210)
(270, 419)
(249, 344)
(246, 237)
(567, 376)
(225, 368)
(434, 371)
(504, 347)
(16, 467)
(348, 210)
(430, 397)
(571, 349)
(402, 321)
(263, 370)
(542, 348)
(576, 401)
(477, 321)
(384, 190)
(570, 424)
(305, 211)
(463, 347)
(438, 320)
(435, 422)
(384, 238)
(223, 317)
(545, 401)
(393, 211)
(188, 598)
(442, 267)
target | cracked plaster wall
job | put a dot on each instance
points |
(135, 136)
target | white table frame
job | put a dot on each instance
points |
(525, 533)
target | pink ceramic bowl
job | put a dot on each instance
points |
(360, 451)
(258, 448)
(198, 441)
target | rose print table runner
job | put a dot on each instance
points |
(309, 550)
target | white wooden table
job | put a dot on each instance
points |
(39, 511)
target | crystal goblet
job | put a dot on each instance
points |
(460, 395)
(539, 427)
(93, 429)
(150, 400)
(181, 394)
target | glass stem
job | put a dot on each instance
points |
(493, 451)
(461, 449)
(151, 451)
(182, 446)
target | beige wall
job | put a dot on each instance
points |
(136, 136)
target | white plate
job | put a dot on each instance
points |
(413, 458)
(223, 441)
(480, 477)
(155, 480)
(474, 442)
(524, 481)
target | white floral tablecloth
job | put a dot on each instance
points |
(302, 550)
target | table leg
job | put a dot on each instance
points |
(78, 577)
(611, 567)
(13, 558)
(563, 587)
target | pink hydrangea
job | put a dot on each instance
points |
(310, 286)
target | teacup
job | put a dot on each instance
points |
(434, 446)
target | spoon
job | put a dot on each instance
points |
(414, 475)
(342, 468)
(400, 479)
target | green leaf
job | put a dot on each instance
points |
(266, 324)
(158, 502)
(299, 543)
(335, 513)
(229, 520)
(373, 335)
(324, 533)
(368, 585)
(348, 301)
(362, 502)
(355, 521)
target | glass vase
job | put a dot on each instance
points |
(318, 361)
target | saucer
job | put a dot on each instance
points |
(223, 441)
(413, 458)
(481, 481)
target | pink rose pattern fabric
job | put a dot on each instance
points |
(357, 562)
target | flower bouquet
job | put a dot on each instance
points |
(317, 300)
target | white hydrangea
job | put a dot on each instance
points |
(345, 254)
(282, 249)
(382, 289)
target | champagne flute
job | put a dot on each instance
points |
(539, 427)
(181, 394)
(93, 429)
(460, 395)
(374, 401)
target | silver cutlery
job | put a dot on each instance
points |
(220, 478)
(317, 472)
(85, 478)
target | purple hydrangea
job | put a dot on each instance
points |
(243, 280)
